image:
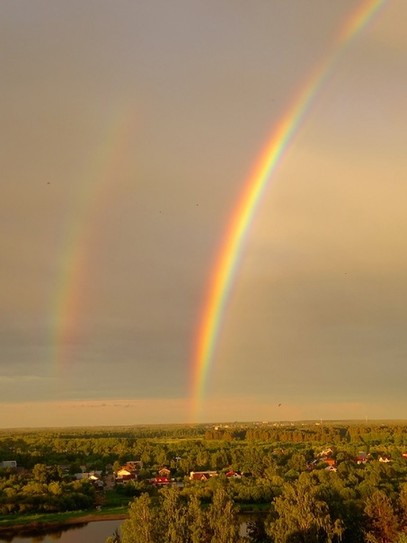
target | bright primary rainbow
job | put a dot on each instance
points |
(226, 264)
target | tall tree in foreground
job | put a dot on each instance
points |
(197, 523)
(382, 519)
(171, 519)
(222, 518)
(301, 516)
(403, 507)
(141, 526)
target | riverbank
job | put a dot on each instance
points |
(36, 524)
(30, 525)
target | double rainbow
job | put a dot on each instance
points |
(222, 277)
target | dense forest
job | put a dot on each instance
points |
(309, 482)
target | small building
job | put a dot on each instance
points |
(160, 481)
(125, 475)
(164, 472)
(384, 458)
(8, 464)
(361, 458)
(129, 471)
(202, 475)
(88, 475)
(232, 474)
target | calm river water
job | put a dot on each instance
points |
(93, 532)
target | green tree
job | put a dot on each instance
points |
(141, 526)
(172, 520)
(55, 488)
(40, 473)
(403, 506)
(257, 531)
(301, 516)
(197, 522)
(173, 516)
(222, 518)
(382, 519)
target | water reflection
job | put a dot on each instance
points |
(93, 532)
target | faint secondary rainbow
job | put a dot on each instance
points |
(81, 237)
(227, 261)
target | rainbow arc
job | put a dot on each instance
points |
(227, 262)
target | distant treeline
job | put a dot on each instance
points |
(318, 433)
(190, 447)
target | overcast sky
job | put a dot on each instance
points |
(129, 130)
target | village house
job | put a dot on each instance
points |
(385, 459)
(129, 471)
(124, 474)
(362, 458)
(96, 481)
(160, 481)
(232, 474)
(164, 472)
(330, 463)
(162, 478)
(90, 475)
(202, 475)
(8, 464)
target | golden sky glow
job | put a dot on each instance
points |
(128, 132)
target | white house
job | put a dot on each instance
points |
(8, 464)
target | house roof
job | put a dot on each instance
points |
(161, 481)
(233, 473)
(202, 475)
(124, 471)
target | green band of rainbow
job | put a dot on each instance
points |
(226, 264)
